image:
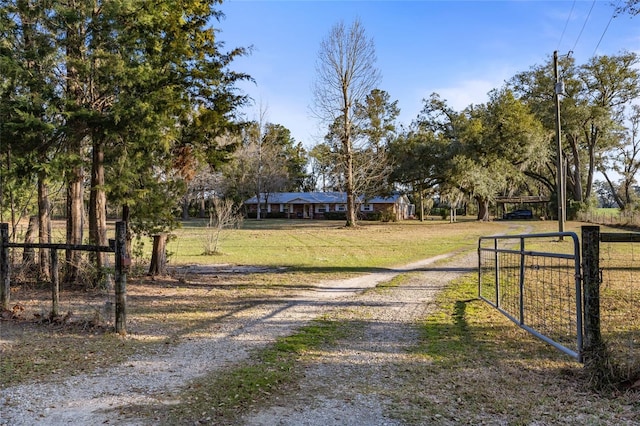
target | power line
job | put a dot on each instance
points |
(613, 14)
(584, 25)
(566, 24)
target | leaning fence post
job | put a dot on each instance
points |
(121, 278)
(5, 282)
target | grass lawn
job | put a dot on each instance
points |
(327, 245)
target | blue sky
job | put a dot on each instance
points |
(459, 49)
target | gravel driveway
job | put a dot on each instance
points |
(334, 392)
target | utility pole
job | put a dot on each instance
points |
(560, 189)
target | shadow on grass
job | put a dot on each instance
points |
(272, 372)
(452, 340)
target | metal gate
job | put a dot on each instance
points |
(538, 290)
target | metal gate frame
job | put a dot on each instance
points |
(524, 253)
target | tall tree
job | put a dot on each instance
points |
(481, 151)
(595, 94)
(346, 74)
(29, 111)
(422, 155)
(419, 157)
(290, 152)
(501, 141)
(624, 159)
(178, 102)
(322, 167)
(376, 128)
(631, 7)
(377, 117)
(609, 82)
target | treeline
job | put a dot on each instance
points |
(508, 145)
(505, 147)
(124, 98)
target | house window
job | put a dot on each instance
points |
(284, 208)
(341, 207)
(367, 207)
(322, 208)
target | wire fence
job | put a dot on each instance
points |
(581, 298)
(615, 218)
(31, 287)
(620, 304)
(536, 289)
(86, 303)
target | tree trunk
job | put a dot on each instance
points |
(74, 94)
(29, 254)
(98, 207)
(622, 204)
(577, 174)
(75, 210)
(351, 204)
(159, 255)
(590, 172)
(44, 228)
(258, 200)
(185, 208)
(483, 209)
(203, 208)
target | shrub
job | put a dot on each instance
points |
(335, 215)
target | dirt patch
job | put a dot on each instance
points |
(224, 269)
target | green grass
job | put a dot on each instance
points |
(485, 367)
(610, 211)
(317, 245)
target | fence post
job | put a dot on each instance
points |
(497, 266)
(121, 278)
(55, 284)
(595, 355)
(521, 279)
(5, 282)
(591, 285)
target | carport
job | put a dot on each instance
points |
(521, 201)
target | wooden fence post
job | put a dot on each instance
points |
(595, 354)
(55, 284)
(5, 274)
(591, 284)
(121, 278)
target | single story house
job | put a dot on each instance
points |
(314, 205)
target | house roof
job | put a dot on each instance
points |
(317, 198)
